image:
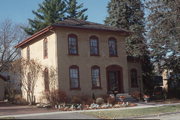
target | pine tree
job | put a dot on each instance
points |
(75, 11)
(164, 33)
(164, 36)
(129, 14)
(49, 12)
(52, 11)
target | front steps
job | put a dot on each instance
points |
(128, 97)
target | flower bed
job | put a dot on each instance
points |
(93, 106)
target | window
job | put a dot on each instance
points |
(94, 46)
(45, 46)
(46, 79)
(29, 81)
(112, 47)
(28, 53)
(95, 75)
(73, 44)
(74, 77)
(134, 82)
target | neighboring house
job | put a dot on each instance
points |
(13, 82)
(90, 58)
(173, 79)
(2, 87)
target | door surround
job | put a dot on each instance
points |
(119, 69)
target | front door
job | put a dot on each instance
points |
(114, 80)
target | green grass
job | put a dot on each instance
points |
(134, 112)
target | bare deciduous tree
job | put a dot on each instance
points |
(28, 71)
(10, 35)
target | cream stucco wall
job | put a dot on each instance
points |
(2, 87)
(36, 53)
(84, 61)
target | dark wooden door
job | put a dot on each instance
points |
(114, 81)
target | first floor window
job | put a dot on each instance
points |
(134, 80)
(74, 77)
(29, 82)
(46, 79)
(95, 75)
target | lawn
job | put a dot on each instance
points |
(129, 113)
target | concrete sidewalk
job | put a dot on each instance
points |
(140, 105)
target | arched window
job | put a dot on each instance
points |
(29, 85)
(112, 47)
(94, 46)
(74, 77)
(46, 79)
(72, 44)
(95, 76)
(28, 53)
(134, 80)
(45, 47)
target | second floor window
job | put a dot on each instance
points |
(45, 46)
(74, 77)
(28, 53)
(94, 46)
(112, 47)
(73, 44)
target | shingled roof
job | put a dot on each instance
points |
(75, 23)
(87, 25)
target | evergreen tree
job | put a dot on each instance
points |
(52, 11)
(49, 12)
(164, 36)
(129, 14)
(75, 11)
(164, 33)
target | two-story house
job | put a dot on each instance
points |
(89, 57)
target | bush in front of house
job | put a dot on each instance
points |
(56, 97)
(99, 101)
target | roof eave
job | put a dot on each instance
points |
(34, 36)
(55, 26)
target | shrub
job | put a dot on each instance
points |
(99, 101)
(105, 97)
(56, 97)
(76, 100)
(111, 100)
(135, 94)
(86, 99)
(19, 100)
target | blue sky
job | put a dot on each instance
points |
(20, 10)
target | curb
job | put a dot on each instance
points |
(96, 110)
